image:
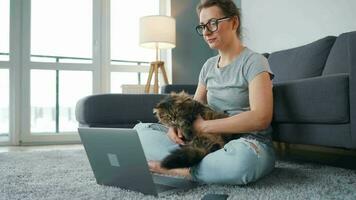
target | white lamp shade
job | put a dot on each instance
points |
(157, 31)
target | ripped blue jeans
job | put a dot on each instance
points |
(241, 161)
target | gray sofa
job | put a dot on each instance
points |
(314, 96)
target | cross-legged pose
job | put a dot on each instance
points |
(236, 82)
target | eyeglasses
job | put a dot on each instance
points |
(212, 25)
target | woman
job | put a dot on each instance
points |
(238, 82)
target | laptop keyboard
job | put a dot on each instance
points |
(163, 188)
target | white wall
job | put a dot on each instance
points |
(273, 25)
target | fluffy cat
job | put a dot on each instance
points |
(179, 110)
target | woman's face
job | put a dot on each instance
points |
(225, 31)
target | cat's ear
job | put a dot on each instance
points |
(182, 93)
(155, 111)
(173, 94)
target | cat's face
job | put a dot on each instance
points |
(176, 110)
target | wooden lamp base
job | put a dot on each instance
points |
(155, 66)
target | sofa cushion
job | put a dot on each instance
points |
(116, 110)
(331, 135)
(323, 99)
(339, 60)
(301, 62)
(190, 89)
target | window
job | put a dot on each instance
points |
(124, 26)
(4, 69)
(5, 29)
(120, 79)
(61, 31)
(70, 91)
(54, 95)
(4, 104)
(61, 54)
(124, 43)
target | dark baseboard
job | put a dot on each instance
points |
(337, 157)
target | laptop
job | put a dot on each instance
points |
(117, 159)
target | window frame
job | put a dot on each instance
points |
(25, 136)
(7, 65)
(20, 66)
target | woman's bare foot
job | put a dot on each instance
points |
(155, 166)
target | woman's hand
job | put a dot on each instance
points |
(199, 124)
(155, 166)
(175, 135)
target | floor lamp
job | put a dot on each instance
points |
(157, 32)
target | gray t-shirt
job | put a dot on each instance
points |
(227, 87)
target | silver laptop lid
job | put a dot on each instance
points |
(117, 158)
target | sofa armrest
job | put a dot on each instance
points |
(323, 99)
(190, 89)
(116, 110)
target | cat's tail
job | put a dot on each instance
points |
(183, 158)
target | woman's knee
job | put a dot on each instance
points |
(223, 175)
(150, 127)
(148, 132)
(238, 163)
(155, 143)
(141, 125)
(242, 176)
(232, 177)
(235, 165)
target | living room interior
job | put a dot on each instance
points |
(65, 64)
